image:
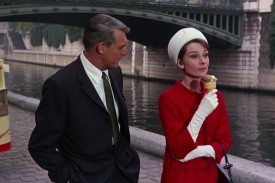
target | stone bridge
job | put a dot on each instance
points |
(153, 22)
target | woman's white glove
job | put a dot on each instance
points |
(200, 151)
(208, 103)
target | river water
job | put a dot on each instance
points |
(251, 115)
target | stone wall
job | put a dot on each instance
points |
(134, 62)
(266, 79)
(238, 67)
(53, 58)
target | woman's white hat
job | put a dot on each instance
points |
(182, 37)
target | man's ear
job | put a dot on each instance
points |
(180, 64)
(100, 47)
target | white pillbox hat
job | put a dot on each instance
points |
(182, 37)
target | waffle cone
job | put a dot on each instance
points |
(210, 85)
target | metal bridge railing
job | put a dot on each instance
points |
(224, 4)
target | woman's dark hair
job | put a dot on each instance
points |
(183, 49)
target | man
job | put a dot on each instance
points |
(75, 138)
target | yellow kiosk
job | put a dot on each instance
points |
(5, 140)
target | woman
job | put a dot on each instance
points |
(195, 122)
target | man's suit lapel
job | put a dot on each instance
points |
(89, 89)
(88, 86)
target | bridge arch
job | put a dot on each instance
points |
(152, 24)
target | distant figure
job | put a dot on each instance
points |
(82, 132)
(194, 121)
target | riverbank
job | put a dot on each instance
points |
(243, 170)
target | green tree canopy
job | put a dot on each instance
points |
(53, 34)
(36, 34)
(24, 27)
(74, 33)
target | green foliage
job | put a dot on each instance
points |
(36, 34)
(24, 27)
(55, 35)
(74, 33)
(272, 38)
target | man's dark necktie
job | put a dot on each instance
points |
(111, 107)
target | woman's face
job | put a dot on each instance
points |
(195, 61)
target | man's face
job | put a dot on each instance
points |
(113, 54)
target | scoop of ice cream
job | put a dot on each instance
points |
(209, 82)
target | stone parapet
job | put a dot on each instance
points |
(50, 58)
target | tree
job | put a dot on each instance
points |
(36, 34)
(55, 35)
(74, 33)
(24, 27)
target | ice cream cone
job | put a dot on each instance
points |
(210, 86)
(209, 82)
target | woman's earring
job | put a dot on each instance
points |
(180, 65)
